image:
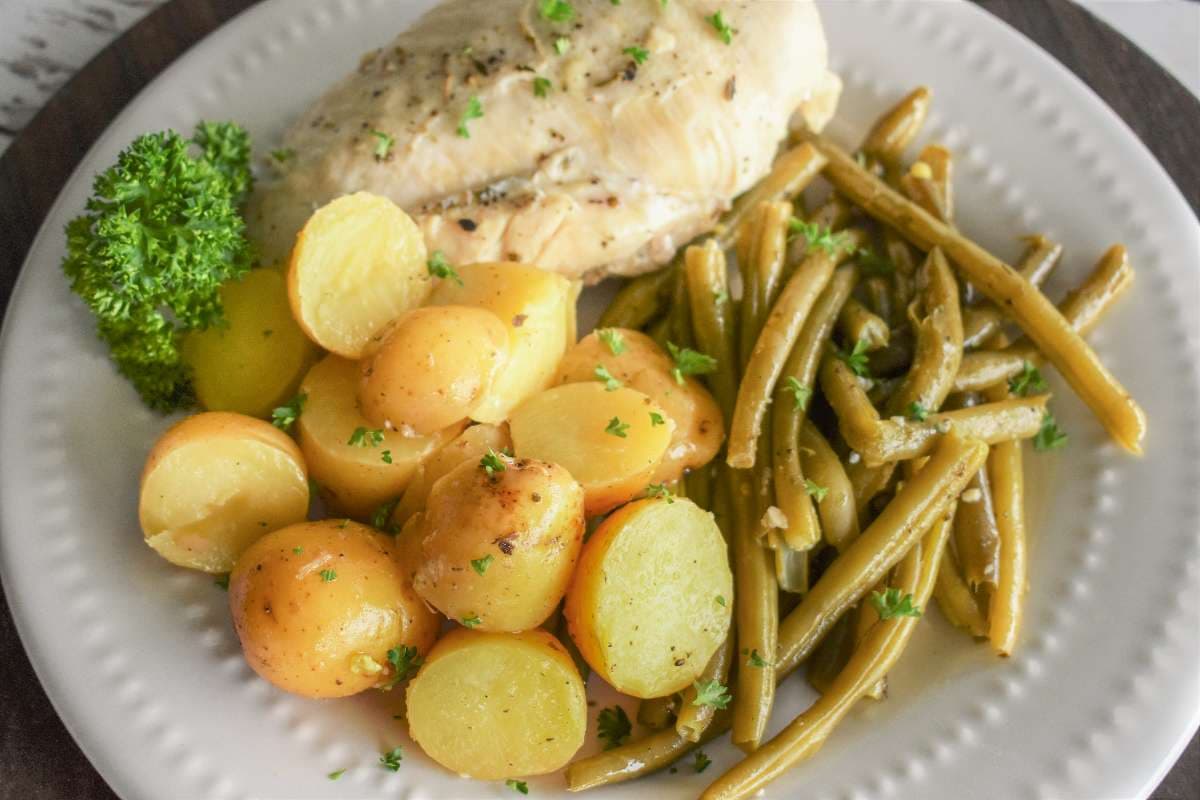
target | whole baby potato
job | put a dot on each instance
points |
(499, 541)
(432, 368)
(319, 605)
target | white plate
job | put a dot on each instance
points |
(140, 660)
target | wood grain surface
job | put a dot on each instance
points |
(38, 759)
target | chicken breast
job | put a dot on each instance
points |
(585, 137)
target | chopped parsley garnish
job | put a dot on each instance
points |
(561, 45)
(556, 10)
(381, 515)
(328, 575)
(617, 428)
(872, 263)
(721, 600)
(656, 419)
(1050, 436)
(814, 490)
(337, 773)
(917, 412)
(364, 437)
(613, 339)
(386, 456)
(474, 110)
(541, 86)
(690, 362)
(602, 374)
(492, 463)
(439, 267)
(1028, 381)
(391, 759)
(383, 144)
(702, 761)
(820, 238)
(404, 661)
(283, 155)
(800, 393)
(723, 28)
(222, 581)
(285, 416)
(856, 359)
(638, 54)
(480, 565)
(471, 621)
(613, 726)
(890, 603)
(297, 550)
(660, 490)
(721, 296)
(712, 694)
(517, 786)
(756, 660)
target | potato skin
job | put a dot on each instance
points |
(215, 482)
(652, 597)
(432, 368)
(302, 632)
(498, 705)
(643, 365)
(522, 528)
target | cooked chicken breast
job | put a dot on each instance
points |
(591, 145)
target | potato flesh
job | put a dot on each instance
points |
(317, 606)
(216, 482)
(643, 608)
(570, 426)
(500, 549)
(355, 479)
(471, 445)
(643, 365)
(532, 305)
(492, 706)
(358, 263)
(433, 368)
(255, 361)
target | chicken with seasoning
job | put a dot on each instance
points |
(589, 138)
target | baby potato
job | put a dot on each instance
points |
(255, 361)
(215, 482)
(641, 364)
(471, 445)
(432, 368)
(359, 467)
(651, 599)
(498, 705)
(358, 263)
(610, 441)
(317, 606)
(532, 305)
(497, 550)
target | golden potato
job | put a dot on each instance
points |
(498, 705)
(319, 605)
(651, 599)
(215, 482)
(498, 549)
(610, 441)
(432, 368)
(358, 263)
(255, 361)
(641, 364)
(471, 445)
(532, 303)
(359, 467)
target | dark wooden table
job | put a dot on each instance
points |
(38, 759)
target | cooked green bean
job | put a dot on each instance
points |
(1037, 316)
(639, 301)
(832, 653)
(765, 250)
(868, 482)
(1006, 604)
(879, 299)
(976, 538)
(956, 600)
(1109, 279)
(981, 323)
(857, 418)
(657, 713)
(984, 368)
(857, 323)
(865, 618)
(921, 501)
(929, 183)
(938, 351)
(899, 125)
(693, 720)
(708, 293)
(789, 176)
(679, 311)
(837, 508)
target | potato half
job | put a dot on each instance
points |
(498, 549)
(215, 482)
(358, 263)
(610, 441)
(533, 305)
(433, 367)
(359, 467)
(254, 362)
(317, 606)
(471, 445)
(498, 705)
(641, 364)
(652, 596)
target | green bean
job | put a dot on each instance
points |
(789, 176)
(857, 418)
(956, 601)
(857, 323)
(832, 215)
(976, 538)
(708, 293)
(980, 323)
(657, 713)
(865, 618)
(765, 253)
(1040, 320)
(984, 368)
(921, 501)
(693, 720)
(639, 301)
(1109, 279)
(832, 653)
(680, 311)
(879, 299)
(930, 185)
(868, 482)
(660, 331)
(836, 509)
(895, 130)
(983, 323)
(1006, 605)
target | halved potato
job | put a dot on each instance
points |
(317, 606)
(471, 445)
(255, 361)
(355, 478)
(641, 364)
(652, 596)
(498, 705)
(214, 483)
(532, 305)
(432, 368)
(610, 441)
(498, 545)
(358, 263)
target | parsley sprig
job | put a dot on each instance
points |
(800, 393)
(1049, 436)
(556, 10)
(405, 662)
(439, 267)
(617, 428)
(383, 145)
(613, 339)
(815, 490)
(820, 237)
(1028, 381)
(917, 412)
(713, 693)
(474, 110)
(690, 362)
(365, 437)
(602, 374)
(855, 359)
(492, 463)
(724, 30)
(613, 726)
(660, 490)
(285, 416)
(391, 759)
(890, 603)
